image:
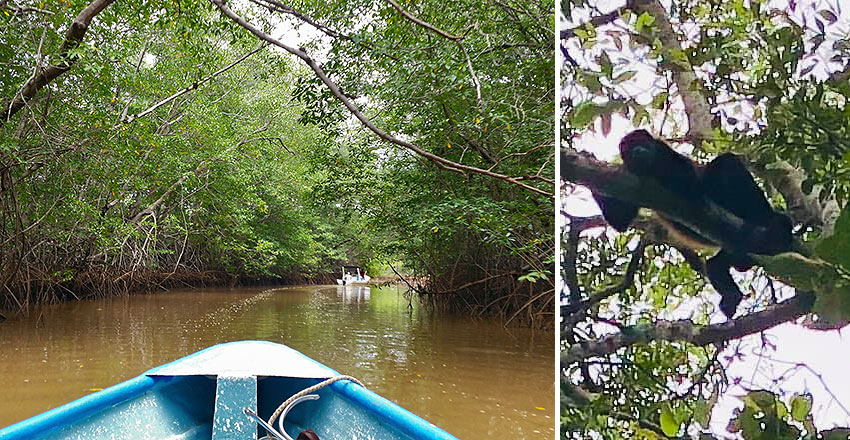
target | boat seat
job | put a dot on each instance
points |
(232, 395)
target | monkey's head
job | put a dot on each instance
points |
(635, 138)
(644, 155)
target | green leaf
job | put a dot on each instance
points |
(585, 113)
(801, 407)
(679, 58)
(640, 116)
(605, 65)
(645, 20)
(668, 421)
(702, 412)
(659, 100)
(761, 400)
(591, 82)
(625, 76)
(836, 248)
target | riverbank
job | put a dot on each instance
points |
(505, 300)
(95, 284)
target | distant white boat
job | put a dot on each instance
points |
(352, 276)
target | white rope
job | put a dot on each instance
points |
(307, 391)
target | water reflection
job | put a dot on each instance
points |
(353, 294)
(473, 378)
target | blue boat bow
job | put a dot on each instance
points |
(205, 396)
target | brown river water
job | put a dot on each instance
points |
(475, 379)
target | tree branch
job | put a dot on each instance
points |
(424, 24)
(839, 76)
(475, 81)
(599, 20)
(805, 209)
(575, 308)
(696, 106)
(439, 161)
(73, 38)
(568, 266)
(21, 10)
(686, 331)
(193, 86)
(277, 6)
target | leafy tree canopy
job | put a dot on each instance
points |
(144, 141)
(645, 353)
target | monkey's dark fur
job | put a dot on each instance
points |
(724, 181)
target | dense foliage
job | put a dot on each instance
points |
(210, 180)
(112, 183)
(645, 352)
(484, 100)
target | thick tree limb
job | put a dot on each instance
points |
(570, 252)
(439, 161)
(696, 106)
(686, 331)
(704, 217)
(804, 209)
(73, 38)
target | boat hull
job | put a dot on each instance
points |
(352, 283)
(202, 396)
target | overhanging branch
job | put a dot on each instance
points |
(193, 86)
(439, 161)
(423, 23)
(686, 331)
(73, 38)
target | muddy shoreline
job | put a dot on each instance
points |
(93, 284)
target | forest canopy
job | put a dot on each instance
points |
(645, 352)
(160, 143)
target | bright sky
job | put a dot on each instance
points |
(803, 360)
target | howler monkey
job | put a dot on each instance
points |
(724, 181)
